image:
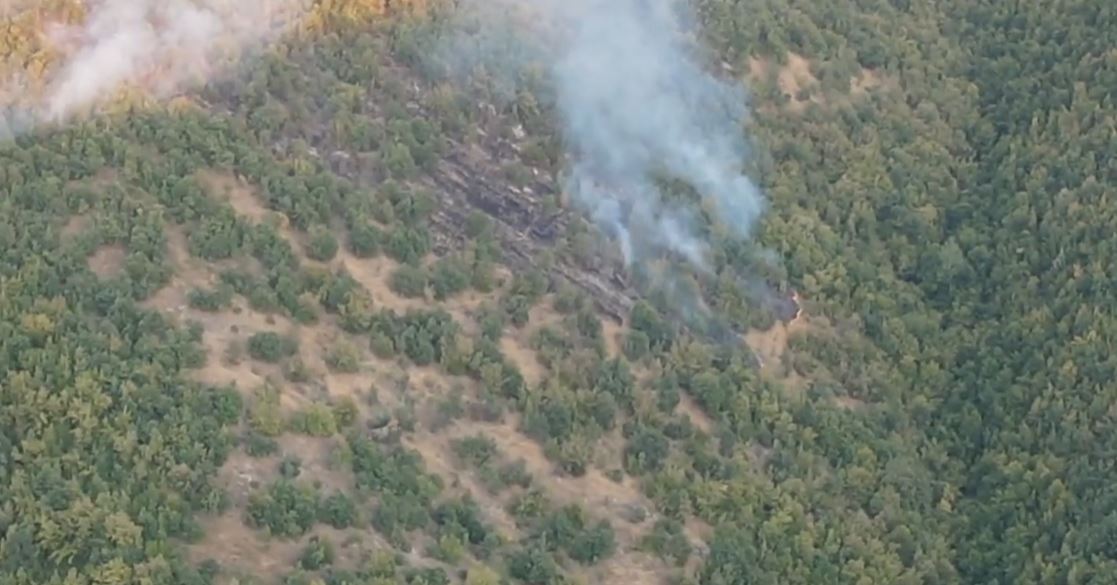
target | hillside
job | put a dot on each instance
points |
(334, 316)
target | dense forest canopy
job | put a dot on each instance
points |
(330, 317)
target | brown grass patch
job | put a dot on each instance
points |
(239, 194)
(108, 261)
(794, 77)
(439, 459)
(613, 334)
(690, 409)
(374, 274)
(861, 84)
(239, 548)
(523, 357)
(74, 226)
(771, 346)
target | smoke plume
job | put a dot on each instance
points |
(158, 47)
(636, 107)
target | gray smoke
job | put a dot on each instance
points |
(157, 47)
(636, 106)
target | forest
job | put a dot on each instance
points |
(330, 318)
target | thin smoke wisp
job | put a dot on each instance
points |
(160, 47)
(636, 106)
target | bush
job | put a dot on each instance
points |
(284, 509)
(476, 451)
(382, 345)
(343, 357)
(646, 451)
(257, 445)
(345, 412)
(594, 544)
(210, 300)
(271, 347)
(265, 417)
(322, 245)
(448, 278)
(535, 566)
(338, 510)
(317, 421)
(409, 281)
(290, 467)
(364, 240)
(515, 473)
(318, 553)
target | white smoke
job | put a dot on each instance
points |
(636, 105)
(159, 47)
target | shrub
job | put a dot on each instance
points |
(477, 450)
(338, 510)
(210, 300)
(448, 278)
(257, 445)
(364, 240)
(318, 553)
(343, 357)
(271, 347)
(317, 421)
(322, 245)
(290, 467)
(284, 509)
(409, 281)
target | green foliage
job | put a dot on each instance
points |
(364, 240)
(271, 347)
(948, 216)
(448, 277)
(211, 300)
(321, 244)
(319, 552)
(290, 467)
(284, 509)
(343, 357)
(258, 445)
(476, 451)
(316, 420)
(409, 281)
(265, 417)
(338, 510)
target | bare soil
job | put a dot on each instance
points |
(108, 261)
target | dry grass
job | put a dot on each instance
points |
(690, 409)
(245, 550)
(108, 261)
(74, 226)
(794, 77)
(771, 347)
(523, 357)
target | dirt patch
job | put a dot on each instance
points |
(439, 459)
(239, 548)
(239, 194)
(861, 84)
(627, 568)
(375, 274)
(795, 77)
(771, 346)
(614, 335)
(523, 358)
(108, 261)
(244, 551)
(690, 409)
(76, 225)
(316, 455)
(758, 68)
(849, 403)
